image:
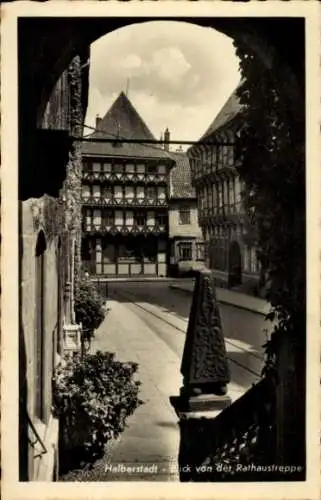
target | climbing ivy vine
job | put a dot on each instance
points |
(272, 166)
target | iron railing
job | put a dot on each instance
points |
(238, 445)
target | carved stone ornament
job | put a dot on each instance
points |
(204, 363)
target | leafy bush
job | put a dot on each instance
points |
(89, 304)
(92, 398)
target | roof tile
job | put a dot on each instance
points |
(180, 177)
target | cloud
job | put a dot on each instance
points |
(180, 74)
(131, 62)
(170, 64)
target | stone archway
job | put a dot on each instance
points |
(235, 265)
(281, 51)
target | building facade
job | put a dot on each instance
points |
(46, 272)
(124, 197)
(229, 249)
(185, 235)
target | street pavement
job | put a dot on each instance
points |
(233, 298)
(146, 323)
(244, 327)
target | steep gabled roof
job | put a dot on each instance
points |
(123, 118)
(123, 121)
(230, 110)
(180, 178)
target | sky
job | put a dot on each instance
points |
(177, 75)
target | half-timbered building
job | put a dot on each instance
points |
(230, 251)
(124, 197)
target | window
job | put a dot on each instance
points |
(161, 219)
(87, 218)
(200, 254)
(107, 167)
(210, 198)
(220, 196)
(231, 193)
(226, 193)
(140, 218)
(151, 169)
(230, 157)
(224, 154)
(97, 167)
(184, 215)
(130, 168)
(214, 158)
(107, 191)
(87, 166)
(161, 193)
(254, 267)
(118, 168)
(214, 198)
(108, 217)
(151, 192)
(219, 157)
(118, 192)
(86, 191)
(185, 251)
(97, 218)
(40, 325)
(96, 191)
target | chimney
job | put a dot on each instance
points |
(166, 139)
(161, 141)
(98, 122)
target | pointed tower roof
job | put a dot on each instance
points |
(123, 118)
(123, 121)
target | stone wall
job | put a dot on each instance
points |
(38, 220)
(56, 224)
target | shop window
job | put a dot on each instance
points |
(184, 215)
(185, 251)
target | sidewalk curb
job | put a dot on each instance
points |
(224, 301)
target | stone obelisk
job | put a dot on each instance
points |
(204, 365)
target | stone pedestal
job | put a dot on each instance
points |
(201, 403)
(204, 364)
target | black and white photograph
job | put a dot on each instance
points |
(160, 249)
